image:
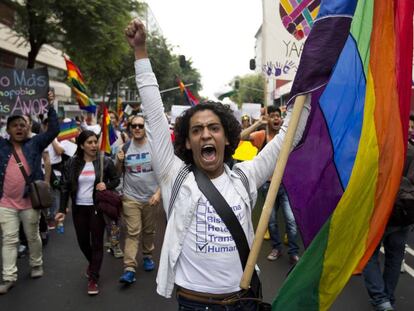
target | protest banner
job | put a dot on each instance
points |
(23, 91)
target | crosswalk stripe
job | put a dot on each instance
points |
(409, 250)
(409, 270)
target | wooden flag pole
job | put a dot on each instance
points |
(273, 189)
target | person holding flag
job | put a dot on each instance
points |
(81, 179)
(200, 254)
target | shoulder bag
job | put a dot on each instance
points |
(40, 191)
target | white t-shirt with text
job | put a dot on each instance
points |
(210, 261)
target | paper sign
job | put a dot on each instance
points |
(69, 147)
(176, 111)
(23, 91)
(252, 110)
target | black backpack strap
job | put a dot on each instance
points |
(230, 220)
(182, 175)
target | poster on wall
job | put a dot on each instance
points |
(23, 91)
(286, 25)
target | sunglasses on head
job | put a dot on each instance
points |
(140, 126)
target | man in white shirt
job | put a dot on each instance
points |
(199, 254)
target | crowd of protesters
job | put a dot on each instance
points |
(149, 169)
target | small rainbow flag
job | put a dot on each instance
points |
(108, 132)
(343, 178)
(68, 130)
(77, 82)
(188, 96)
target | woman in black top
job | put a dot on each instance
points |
(80, 181)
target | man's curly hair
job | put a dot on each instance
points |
(231, 127)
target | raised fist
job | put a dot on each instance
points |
(136, 34)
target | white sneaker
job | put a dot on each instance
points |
(6, 286)
(37, 272)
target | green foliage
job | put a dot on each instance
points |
(166, 66)
(95, 40)
(250, 90)
(92, 33)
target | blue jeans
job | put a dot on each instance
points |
(282, 201)
(381, 287)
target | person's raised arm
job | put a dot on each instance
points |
(245, 134)
(157, 128)
(45, 138)
(137, 38)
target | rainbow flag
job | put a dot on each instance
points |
(68, 130)
(108, 132)
(77, 83)
(188, 96)
(356, 67)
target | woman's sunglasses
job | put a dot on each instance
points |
(140, 126)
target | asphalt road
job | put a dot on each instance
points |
(63, 286)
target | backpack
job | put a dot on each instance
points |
(403, 213)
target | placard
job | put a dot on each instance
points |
(252, 110)
(23, 91)
(176, 111)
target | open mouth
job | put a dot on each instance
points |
(208, 152)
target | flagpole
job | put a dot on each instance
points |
(272, 192)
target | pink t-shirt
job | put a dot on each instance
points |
(14, 183)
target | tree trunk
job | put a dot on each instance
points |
(31, 57)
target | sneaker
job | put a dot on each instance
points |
(93, 287)
(37, 272)
(149, 264)
(293, 259)
(6, 286)
(128, 277)
(274, 254)
(117, 252)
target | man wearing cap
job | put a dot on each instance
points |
(15, 204)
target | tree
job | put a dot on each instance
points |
(99, 48)
(250, 89)
(84, 27)
(91, 32)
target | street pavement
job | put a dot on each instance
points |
(63, 286)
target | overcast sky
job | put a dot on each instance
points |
(217, 35)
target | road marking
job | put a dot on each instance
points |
(409, 250)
